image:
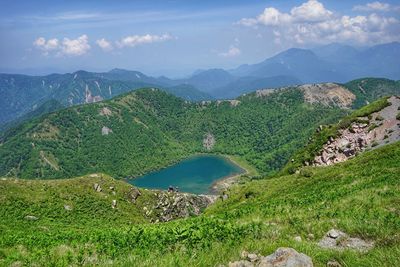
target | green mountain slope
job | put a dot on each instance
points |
(149, 129)
(359, 197)
(369, 89)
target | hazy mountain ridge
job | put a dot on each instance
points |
(22, 94)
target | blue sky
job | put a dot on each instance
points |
(177, 37)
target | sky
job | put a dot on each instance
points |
(177, 37)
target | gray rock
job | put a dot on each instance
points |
(336, 239)
(252, 257)
(133, 194)
(67, 207)
(297, 238)
(241, 264)
(97, 187)
(286, 257)
(114, 203)
(333, 233)
(31, 218)
(333, 264)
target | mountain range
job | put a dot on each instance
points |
(22, 94)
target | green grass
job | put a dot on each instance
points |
(359, 197)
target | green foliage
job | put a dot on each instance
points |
(368, 90)
(152, 129)
(359, 197)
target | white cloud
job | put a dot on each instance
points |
(311, 22)
(232, 52)
(374, 6)
(104, 44)
(72, 47)
(46, 46)
(134, 40)
(75, 47)
(310, 11)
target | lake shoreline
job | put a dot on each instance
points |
(218, 186)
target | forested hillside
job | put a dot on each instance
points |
(149, 129)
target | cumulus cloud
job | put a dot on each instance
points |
(233, 51)
(134, 40)
(104, 44)
(75, 47)
(374, 6)
(311, 22)
(70, 47)
(46, 46)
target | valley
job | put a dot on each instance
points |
(199, 133)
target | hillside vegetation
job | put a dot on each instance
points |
(149, 129)
(359, 197)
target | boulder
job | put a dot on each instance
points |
(333, 264)
(97, 187)
(67, 207)
(286, 257)
(133, 194)
(282, 257)
(114, 203)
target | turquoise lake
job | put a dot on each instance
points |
(192, 175)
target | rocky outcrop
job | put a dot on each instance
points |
(378, 129)
(173, 205)
(133, 194)
(282, 257)
(264, 92)
(336, 239)
(209, 141)
(105, 130)
(328, 94)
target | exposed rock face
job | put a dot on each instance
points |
(208, 141)
(282, 257)
(172, 205)
(105, 130)
(336, 239)
(89, 98)
(264, 92)
(382, 128)
(328, 94)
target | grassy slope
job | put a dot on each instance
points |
(360, 197)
